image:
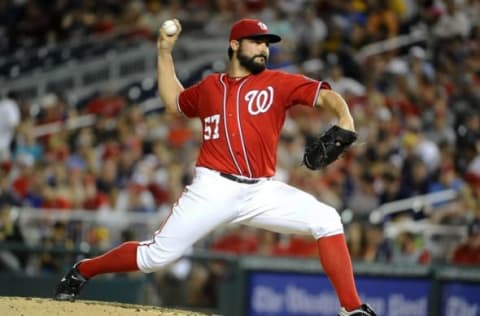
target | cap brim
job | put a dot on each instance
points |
(271, 38)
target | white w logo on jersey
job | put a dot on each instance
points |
(259, 101)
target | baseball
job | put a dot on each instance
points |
(170, 27)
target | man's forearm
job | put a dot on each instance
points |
(168, 84)
(335, 103)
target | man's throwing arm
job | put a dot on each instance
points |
(169, 87)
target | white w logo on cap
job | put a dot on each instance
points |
(263, 26)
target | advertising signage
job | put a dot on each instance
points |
(460, 299)
(295, 294)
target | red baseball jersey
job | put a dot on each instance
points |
(242, 118)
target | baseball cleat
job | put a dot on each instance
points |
(363, 310)
(70, 285)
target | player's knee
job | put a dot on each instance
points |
(151, 258)
(328, 222)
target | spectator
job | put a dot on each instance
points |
(382, 22)
(107, 177)
(342, 84)
(107, 104)
(135, 198)
(223, 17)
(311, 32)
(368, 244)
(154, 16)
(452, 22)
(27, 144)
(468, 252)
(77, 22)
(355, 233)
(424, 148)
(364, 198)
(377, 248)
(93, 199)
(468, 139)
(7, 194)
(440, 128)
(56, 239)
(10, 232)
(9, 120)
(409, 249)
(23, 175)
(447, 179)
(296, 246)
(32, 28)
(415, 177)
(242, 240)
(32, 188)
(391, 187)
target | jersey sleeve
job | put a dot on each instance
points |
(304, 90)
(187, 100)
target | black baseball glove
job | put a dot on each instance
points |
(328, 147)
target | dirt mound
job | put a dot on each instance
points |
(26, 306)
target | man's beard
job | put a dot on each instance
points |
(250, 64)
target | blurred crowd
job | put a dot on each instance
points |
(416, 108)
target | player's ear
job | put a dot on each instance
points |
(234, 44)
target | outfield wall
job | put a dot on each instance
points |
(257, 286)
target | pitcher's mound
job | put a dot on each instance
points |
(26, 306)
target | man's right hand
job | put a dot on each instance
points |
(166, 42)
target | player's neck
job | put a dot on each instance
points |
(236, 71)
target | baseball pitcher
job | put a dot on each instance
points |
(242, 113)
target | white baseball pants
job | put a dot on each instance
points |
(212, 200)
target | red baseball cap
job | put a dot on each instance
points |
(252, 28)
